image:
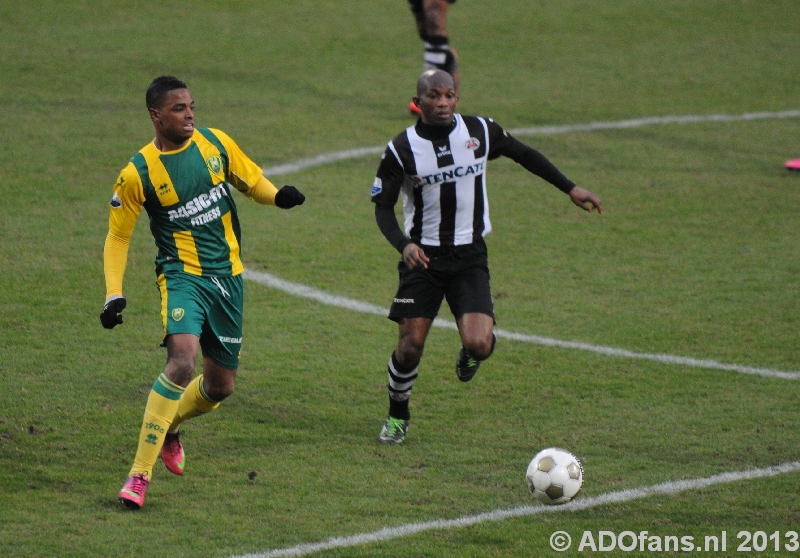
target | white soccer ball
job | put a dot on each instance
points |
(555, 476)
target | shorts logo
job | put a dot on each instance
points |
(403, 301)
(214, 164)
(472, 144)
(377, 186)
(115, 202)
(178, 314)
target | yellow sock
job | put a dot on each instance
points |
(194, 401)
(161, 406)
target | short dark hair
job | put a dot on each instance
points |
(157, 91)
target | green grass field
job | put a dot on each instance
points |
(696, 255)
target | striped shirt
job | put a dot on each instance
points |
(186, 194)
(441, 174)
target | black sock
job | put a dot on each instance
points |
(399, 409)
(437, 40)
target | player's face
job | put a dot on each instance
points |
(174, 121)
(438, 104)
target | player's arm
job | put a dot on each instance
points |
(125, 206)
(388, 225)
(504, 144)
(248, 178)
(385, 191)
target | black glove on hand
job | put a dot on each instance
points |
(111, 315)
(288, 197)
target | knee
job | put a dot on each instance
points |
(180, 369)
(480, 347)
(218, 390)
(409, 352)
(217, 381)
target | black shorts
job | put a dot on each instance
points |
(458, 274)
(416, 5)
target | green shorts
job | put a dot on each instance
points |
(208, 307)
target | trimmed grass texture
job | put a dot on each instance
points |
(696, 255)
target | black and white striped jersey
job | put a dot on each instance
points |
(441, 173)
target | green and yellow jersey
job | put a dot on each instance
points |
(187, 195)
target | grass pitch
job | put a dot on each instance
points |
(696, 255)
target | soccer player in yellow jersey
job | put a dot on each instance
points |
(184, 179)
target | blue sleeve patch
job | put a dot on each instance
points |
(377, 186)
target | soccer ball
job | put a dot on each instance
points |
(554, 476)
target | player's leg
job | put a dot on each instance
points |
(469, 296)
(436, 40)
(403, 369)
(419, 16)
(434, 17)
(403, 365)
(218, 381)
(162, 404)
(477, 343)
(195, 401)
(477, 334)
(220, 340)
(203, 395)
(222, 337)
(415, 305)
(430, 17)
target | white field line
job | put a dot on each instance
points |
(364, 307)
(388, 533)
(325, 158)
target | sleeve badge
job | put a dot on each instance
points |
(115, 202)
(377, 186)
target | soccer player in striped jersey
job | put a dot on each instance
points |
(184, 179)
(439, 167)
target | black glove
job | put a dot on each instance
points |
(288, 197)
(111, 315)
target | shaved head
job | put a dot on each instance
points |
(436, 97)
(433, 79)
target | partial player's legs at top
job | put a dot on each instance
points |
(431, 20)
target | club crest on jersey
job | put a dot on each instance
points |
(214, 164)
(472, 144)
(178, 314)
(115, 202)
(377, 186)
